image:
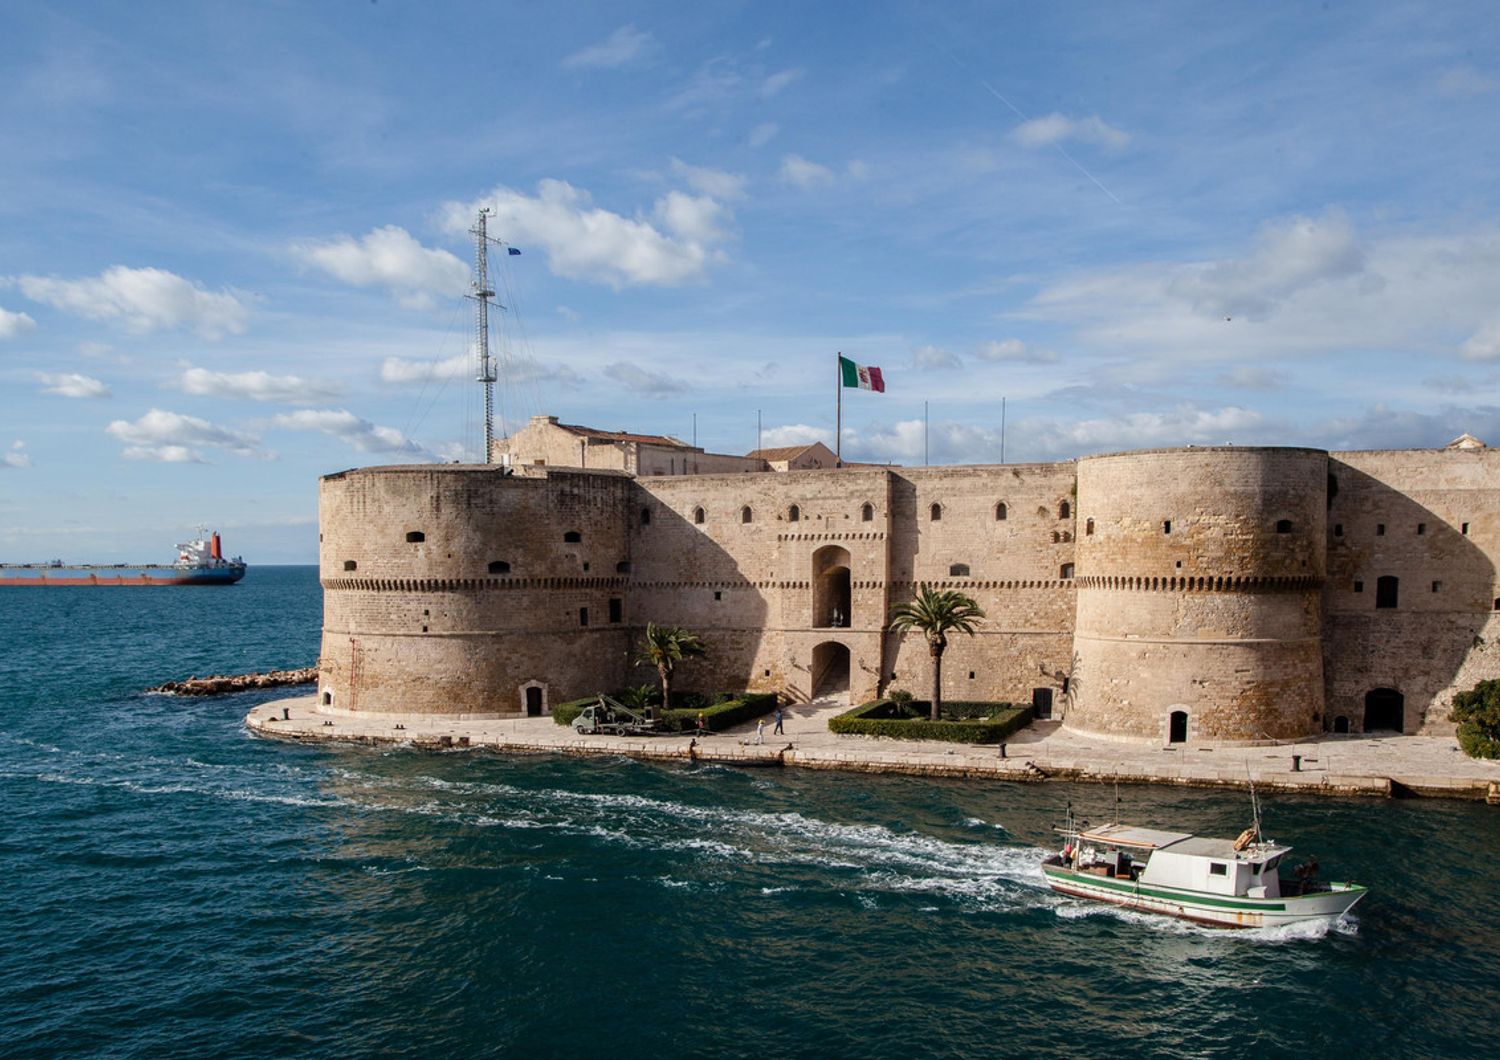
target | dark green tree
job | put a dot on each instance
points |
(1477, 713)
(935, 613)
(664, 647)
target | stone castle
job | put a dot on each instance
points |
(1206, 594)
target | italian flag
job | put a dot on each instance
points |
(861, 376)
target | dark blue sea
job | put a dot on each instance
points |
(170, 886)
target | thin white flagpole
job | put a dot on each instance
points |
(1002, 430)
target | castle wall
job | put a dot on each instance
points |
(1431, 520)
(1239, 586)
(1199, 574)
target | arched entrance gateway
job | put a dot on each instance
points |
(1385, 710)
(830, 581)
(1177, 727)
(830, 669)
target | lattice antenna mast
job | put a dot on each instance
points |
(482, 295)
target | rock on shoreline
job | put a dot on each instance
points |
(222, 684)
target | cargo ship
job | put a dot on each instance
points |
(199, 562)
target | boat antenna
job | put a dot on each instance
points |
(482, 294)
(1254, 804)
(1117, 800)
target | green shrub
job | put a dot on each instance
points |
(1477, 713)
(720, 716)
(900, 696)
(900, 721)
(565, 713)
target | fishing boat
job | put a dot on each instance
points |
(1221, 882)
(199, 562)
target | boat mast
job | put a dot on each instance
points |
(482, 294)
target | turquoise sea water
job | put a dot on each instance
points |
(170, 886)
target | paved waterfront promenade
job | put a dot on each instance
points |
(1335, 765)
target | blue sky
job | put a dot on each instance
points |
(233, 245)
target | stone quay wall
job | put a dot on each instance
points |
(1235, 586)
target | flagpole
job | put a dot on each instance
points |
(1002, 430)
(838, 416)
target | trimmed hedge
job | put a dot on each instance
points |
(728, 712)
(882, 717)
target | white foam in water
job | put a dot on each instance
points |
(1301, 931)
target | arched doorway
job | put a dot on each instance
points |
(1341, 724)
(830, 669)
(534, 699)
(1385, 710)
(1177, 726)
(831, 588)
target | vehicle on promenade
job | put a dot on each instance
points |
(609, 716)
(199, 562)
(1222, 882)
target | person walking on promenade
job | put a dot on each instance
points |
(760, 730)
(778, 731)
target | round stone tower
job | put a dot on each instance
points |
(1199, 573)
(466, 591)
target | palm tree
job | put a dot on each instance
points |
(664, 647)
(936, 613)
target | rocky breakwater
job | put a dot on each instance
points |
(223, 684)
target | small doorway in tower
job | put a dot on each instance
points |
(1177, 727)
(830, 669)
(1341, 724)
(1385, 710)
(536, 699)
(1041, 703)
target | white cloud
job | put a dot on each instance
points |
(805, 174)
(620, 48)
(72, 385)
(1483, 345)
(585, 242)
(16, 457)
(391, 258)
(1055, 128)
(1014, 351)
(363, 435)
(1466, 81)
(1250, 377)
(255, 386)
(14, 324)
(763, 133)
(1306, 287)
(773, 85)
(170, 437)
(858, 170)
(142, 299)
(795, 434)
(729, 187)
(935, 357)
(643, 381)
(463, 366)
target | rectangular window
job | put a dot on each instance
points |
(1359, 587)
(1437, 587)
(1421, 528)
(583, 616)
(1166, 526)
(1464, 530)
(1379, 529)
(1216, 869)
(718, 595)
(616, 609)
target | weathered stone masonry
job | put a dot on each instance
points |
(1207, 594)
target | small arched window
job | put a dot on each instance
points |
(415, 536)
(958, 570)
(699, 515)
(645, 516)
(1065, 572)
(499, 566)
(623, 567)
(746, 515)
(1064, 510)
(1088, 528)
(572, 537)
(350, 564)
(1283, 526)
(867, 513)
(935, 512)
(793, 514)
(1056, 537)
(1001, 511)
